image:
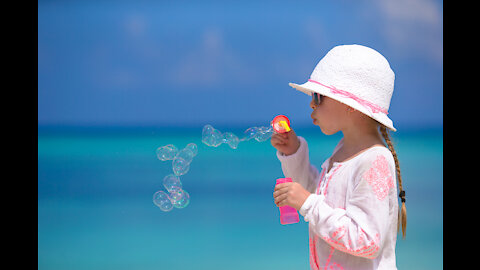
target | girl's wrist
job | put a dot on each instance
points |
(303, 197)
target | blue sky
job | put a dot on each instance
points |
(184, 63)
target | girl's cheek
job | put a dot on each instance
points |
(317, 113)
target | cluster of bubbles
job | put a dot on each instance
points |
(176, 197)
(213, 137)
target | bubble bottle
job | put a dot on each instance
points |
(288, 214)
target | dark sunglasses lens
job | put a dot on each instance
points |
(316, 98)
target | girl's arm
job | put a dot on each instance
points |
(297, 166)
(360, 228)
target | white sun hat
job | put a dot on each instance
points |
(357, 76)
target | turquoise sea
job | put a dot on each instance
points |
(95, 208)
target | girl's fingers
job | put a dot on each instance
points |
(278, 139)
(289, 134)
(280, 191)
(282, 203)
(279, 199)
(282, 186)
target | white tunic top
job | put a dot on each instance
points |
(353, 209)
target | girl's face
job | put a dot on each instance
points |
(328, 114)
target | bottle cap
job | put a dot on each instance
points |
(281, 124)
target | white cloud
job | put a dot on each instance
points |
(413, 27)
(210, 63)
(135, 25)
(422, 11)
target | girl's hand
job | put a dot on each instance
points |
(287, 143)
(291, 194)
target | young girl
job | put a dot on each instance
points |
(351, 205)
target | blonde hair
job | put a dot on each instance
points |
(402, 213)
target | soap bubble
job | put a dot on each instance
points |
(211, 136)
(181, 159)
(181, 162)
(179, 198)
(249, 133)
(176, 197)
(180, 166)
(172, 182)
(166, 152)
(185, 154)
(192, 147)
(162, 200)
(231, 139)
(263, 134)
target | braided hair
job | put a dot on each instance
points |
(402, 213)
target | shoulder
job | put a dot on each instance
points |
(376, 172)
(375, 162)
(374, 155)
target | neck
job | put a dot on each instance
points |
(359, 137)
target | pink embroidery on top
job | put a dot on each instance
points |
(319, 182)
(313, 254)
(328, 181)
(381, 180)
(313, 248)
(332, 265)
(314, 261)
(365, 249)
(379, 177)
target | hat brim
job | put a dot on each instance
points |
(310, 87)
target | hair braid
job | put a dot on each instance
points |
(402, 213)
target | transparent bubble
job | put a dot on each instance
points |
(180, 166)
(186, 154)
(231, 139)
(172, 182)
(207, 129)
(166, 152)
(177, 197)
(162, 200)
(211, 136)
(263, 134)
(180, 198)
(192, 147)
(250, 133)
(207, 132)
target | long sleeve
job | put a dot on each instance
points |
(297, 166)
(361, 227)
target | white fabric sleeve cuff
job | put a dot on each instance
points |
(308, 203)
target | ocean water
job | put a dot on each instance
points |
(95, 208)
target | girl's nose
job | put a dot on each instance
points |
(312, 105)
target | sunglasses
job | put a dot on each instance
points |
(317, 98)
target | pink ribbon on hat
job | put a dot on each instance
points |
(373, 107)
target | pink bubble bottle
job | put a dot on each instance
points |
(288, 214)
